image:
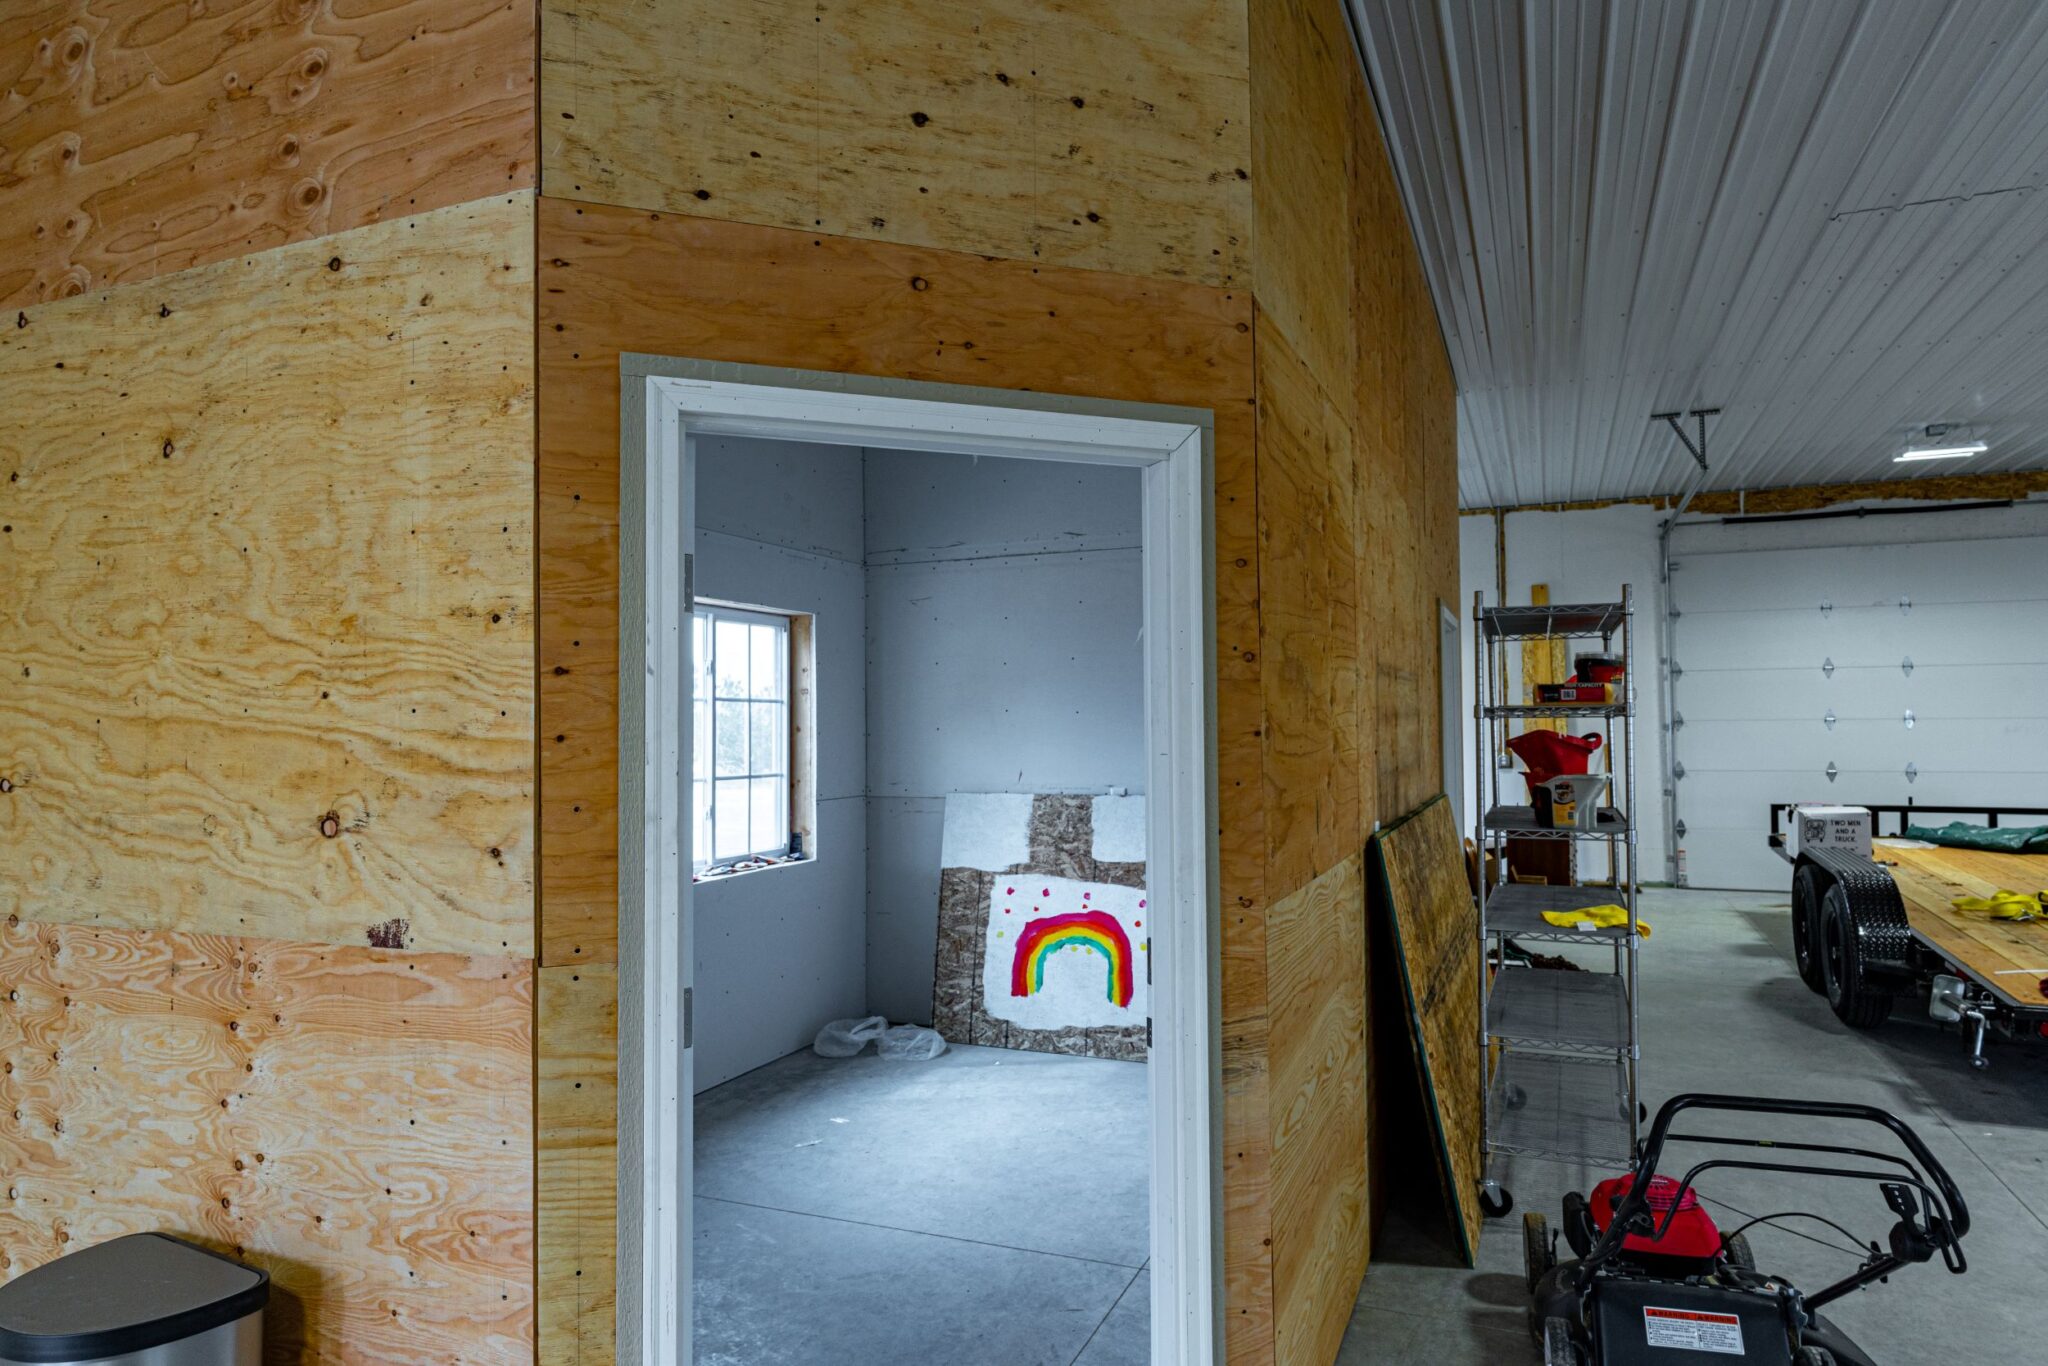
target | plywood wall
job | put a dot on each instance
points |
(1085, 133)
(267, 768)
(352, 1120)
(1357, 525)
(138, 138)
(898, 191)
(267, 569)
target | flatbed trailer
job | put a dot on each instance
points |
(1869, 932)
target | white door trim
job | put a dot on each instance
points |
(664, 402)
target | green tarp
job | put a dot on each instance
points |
(2008, 839)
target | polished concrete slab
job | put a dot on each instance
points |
(989, 1206)
(1722, 1010)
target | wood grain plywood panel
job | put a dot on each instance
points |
(615, 280)
(139, 138)
(1308, 612)
(1316, 940)
(1082, 134)
(1419, 868)
(357, 1122)
(265, 609)
(1303, 69)
(578, 1173)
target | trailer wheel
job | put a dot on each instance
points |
(1808, 885)
(1855, 1002)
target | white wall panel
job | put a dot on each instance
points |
(781, 951)
(1004, 655)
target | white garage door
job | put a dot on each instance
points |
(1909, 654)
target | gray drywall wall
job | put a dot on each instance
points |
(1005, 602)
(781, 951)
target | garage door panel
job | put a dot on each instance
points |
(1871, 637)
(1753, 696)
(1715, 694)
(1935, 571)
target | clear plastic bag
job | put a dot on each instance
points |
(910, 1043)
(844, 1038)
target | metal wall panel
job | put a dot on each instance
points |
(1826, 218)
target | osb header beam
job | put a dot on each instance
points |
(138, 137)
(1088, 134)
(356, 1122)
(265, 593)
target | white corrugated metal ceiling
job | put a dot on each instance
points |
(1824, 217)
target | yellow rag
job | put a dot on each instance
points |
(2006, 905)
(1601, 917)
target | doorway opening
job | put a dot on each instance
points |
(759, 510)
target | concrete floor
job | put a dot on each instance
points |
(1723, 1011)
(988, 1207)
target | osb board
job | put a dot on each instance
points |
(1317, 964)
(1309, 619)
(1085, 134)
(1303, 72)
(578, 1174)
(1419, 869)
(268, 560)
(357, 1122)
(139, 138)
(2011, 955)
(617, 280)
(1061, 842)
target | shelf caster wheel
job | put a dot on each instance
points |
(1980, 1062)
(1494, 1200)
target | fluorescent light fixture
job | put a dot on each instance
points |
(1941, 452)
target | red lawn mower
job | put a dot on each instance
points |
(1654, 1282)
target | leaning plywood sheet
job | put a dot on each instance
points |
(356, 1121)
(265, 594)
(1042, 913)
(1419, 872)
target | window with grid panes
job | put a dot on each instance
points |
(740, 786)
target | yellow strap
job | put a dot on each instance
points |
(2005, 905)
(1602, 917)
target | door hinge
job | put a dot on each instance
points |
(689, 1015)
(689, 584)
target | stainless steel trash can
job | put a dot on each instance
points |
(144, 1300)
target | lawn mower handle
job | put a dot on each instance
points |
(1637, 1202)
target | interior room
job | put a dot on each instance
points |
(1202, 683)
(951, 649)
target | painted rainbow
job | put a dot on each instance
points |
(1097, 930)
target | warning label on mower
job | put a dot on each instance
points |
(1693, 1331)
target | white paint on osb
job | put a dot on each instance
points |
(1074, 993)
(986, 830)
(1119, 830)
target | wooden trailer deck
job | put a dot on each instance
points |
(2007, 957)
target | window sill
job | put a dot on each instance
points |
(726, 872)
